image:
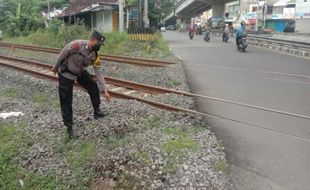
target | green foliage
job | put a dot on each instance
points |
(10, 93)
(20, 22)
(177, 146)
(131, 3)
(177, 149)
(112, 142)
(43, 100)
(141, 156)
(67, 33)
(53, 3)
(114, 43)
(57, 35)
(175, 82)
(153, 121)
(127, 181)
(80, 154)
(221, 166)
(160, 9)
(175, 131)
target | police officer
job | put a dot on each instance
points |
(71, 66)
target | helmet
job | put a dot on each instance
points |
(242, 23)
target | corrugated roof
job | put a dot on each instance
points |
(281, 3)
(77, 6)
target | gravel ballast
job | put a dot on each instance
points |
(136, 146)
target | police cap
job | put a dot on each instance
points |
(99, 36)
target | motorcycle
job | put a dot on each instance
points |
(206, 36)
(191, 35)
(225, 37)
(242, 44)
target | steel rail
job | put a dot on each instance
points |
(160, 90)
(153, 103)
(116, 58)
(112, 93)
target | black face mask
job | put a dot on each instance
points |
(96, 47)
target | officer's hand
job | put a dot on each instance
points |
(107, 96)
(54, 70)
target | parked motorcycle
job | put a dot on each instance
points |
(206, 36)
(242, 44)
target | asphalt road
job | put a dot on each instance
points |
(266, 150)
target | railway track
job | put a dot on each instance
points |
(43, 71)
(128, 88)
(114, 58)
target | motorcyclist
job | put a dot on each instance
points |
(240, 32)
(191, 29)
(206, 30)
(225, 31)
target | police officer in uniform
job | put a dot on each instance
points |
(71, 66)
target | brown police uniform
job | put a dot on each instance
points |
(71, 65)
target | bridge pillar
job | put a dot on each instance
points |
(218, 10)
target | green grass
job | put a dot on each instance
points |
(177, 146)
(116, 42)
(219, 146)
(127, 181)
(80, 154)
(12, 139)
(175, 82)
(179, 132)
(153, 122)
(43, 100)
(142, 156)
(10, 93)
(221, 166)
(177, 149)
(112, 142)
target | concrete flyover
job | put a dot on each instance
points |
(191, 8)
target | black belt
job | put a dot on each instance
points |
(64, 68)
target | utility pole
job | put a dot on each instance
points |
(146, 19)
(121, 15)
(48, 9)
(256, 25)
(140, 14)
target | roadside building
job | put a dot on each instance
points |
(302, 15)
(279, 15)
(101, 15)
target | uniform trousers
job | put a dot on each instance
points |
(65, 88)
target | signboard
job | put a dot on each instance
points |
(134, 13)
(249, 16)
(288, 13)
(276, 16)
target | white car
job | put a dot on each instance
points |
(163, 29)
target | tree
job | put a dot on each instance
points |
(19, 17)
(159, 9)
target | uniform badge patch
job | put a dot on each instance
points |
(75, 46)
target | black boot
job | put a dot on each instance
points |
(69, 129)
(97, 113)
